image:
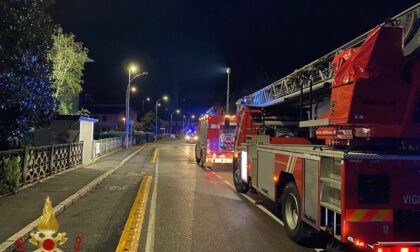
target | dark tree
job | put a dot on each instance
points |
(147, 122)
(26, 93)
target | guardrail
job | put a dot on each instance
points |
(25, 166)
(106, 145)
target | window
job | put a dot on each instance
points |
(373, 189)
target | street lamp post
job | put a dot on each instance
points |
(188, 122)
(147, 99)
(170, 127)
(131, 69)
(165, 98)
(228, 70)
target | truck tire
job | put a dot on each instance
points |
(291, 212)
(240, 186)
(202, 159)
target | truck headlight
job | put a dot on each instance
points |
(187, 137)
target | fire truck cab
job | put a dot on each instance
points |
(216, 134)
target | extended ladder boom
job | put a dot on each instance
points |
(319, 73)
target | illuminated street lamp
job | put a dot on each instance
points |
(164, 98)
(228, 70)
(131, 70)
(145, 99)
(188, 122)
(176, 111)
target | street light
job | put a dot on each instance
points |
(176, 111)
(147, 99)
(228, 70)
(188, 122)
(164, 98)
(131, 69)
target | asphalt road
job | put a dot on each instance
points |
(189, 209)
(197, 210)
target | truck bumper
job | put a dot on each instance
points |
(211, 161)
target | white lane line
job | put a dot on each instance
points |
(150, 241)
(229, 184)
(265, 210)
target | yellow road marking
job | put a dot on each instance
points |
(130, 237)
(154, 156)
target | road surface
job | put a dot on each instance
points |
(189, 209)
(197, 210)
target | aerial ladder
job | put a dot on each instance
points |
(318, 74)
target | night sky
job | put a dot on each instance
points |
(186, 45)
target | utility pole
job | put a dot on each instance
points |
(228, 70)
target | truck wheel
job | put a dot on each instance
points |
(291, 211)
(240, 186)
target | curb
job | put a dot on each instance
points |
(10, 244)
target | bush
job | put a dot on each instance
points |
(10, 175)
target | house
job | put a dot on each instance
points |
(111, 117)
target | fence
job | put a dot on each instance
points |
(106, 145)
(35, 163)
(138, 137)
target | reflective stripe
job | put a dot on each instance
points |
(288, 164)
(369, 215)
(292, 168)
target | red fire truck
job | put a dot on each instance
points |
(337, 142)
(216, 133)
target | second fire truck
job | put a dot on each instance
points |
(216, 134)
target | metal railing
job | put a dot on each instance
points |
(36, 163)
(106, 145)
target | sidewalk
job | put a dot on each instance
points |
(17, 211)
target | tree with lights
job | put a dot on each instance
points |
(68, 59)
(26, 90)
